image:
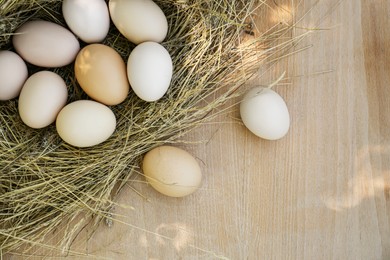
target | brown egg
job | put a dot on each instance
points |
(172, 171)
(101, 73)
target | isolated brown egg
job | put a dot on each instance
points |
(101, 73)
(172, 171)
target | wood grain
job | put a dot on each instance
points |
(322, 192)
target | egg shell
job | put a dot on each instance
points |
(85, 123)
(149, 70)
(101, 73)
(139, 20)
(172, 171)
(265, 114)
(45, 44)
(13, 74)
(41, 99)
(88, 19)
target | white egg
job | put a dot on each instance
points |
(139, 20)
(88, 19)
(13, 74)
(149, 70)
(265, 113)
(43, 95)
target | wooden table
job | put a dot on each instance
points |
(322, 192)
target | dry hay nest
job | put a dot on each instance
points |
(44, 181)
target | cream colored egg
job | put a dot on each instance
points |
(172, 171)
(149, 70)
(101, 73)
(85, 123)
(139, 20)
(42, 97)
(13, 74)
(265, 114)
(88, 19)
(45, 44)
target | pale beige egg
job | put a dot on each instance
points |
(101, 73)
(85, 123)
(45, 44)
(172, 171)
(139, 20)
(42, 97)
(13, 74)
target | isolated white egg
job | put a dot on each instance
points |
(13, 74)
(43, 95)
(149, 70)
(139, 20)
(88, 19)
(85, 123)
(265, 113)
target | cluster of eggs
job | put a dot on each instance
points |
(107, 79)
(102, 75)
(99, 69)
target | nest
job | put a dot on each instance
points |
(44, 181)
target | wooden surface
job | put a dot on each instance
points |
(322, 192)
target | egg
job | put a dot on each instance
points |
(42, 97)
(139, 20)
(45, 44)
(88, 19)
(265, 114)
(101, 73)
(149, 70)
(13, 74)
(172, 171)
(85, 123)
